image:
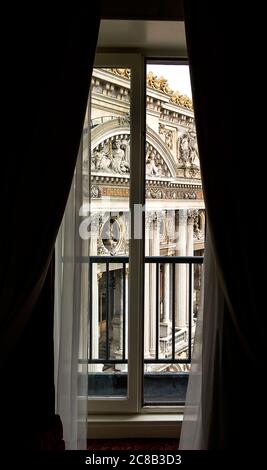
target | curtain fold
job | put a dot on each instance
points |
(71, 311)
(46, 72)
(198, 409)
(220, 44)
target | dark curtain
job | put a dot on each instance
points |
(46, 65)
(225, 47)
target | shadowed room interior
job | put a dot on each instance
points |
(47, 62)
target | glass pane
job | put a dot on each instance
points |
(174, 227)
(109, 135)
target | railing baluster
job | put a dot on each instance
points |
(157, 260)
(157, 310)
(173, 312)
(107, 311)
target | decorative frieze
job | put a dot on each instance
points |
(154, 189)
(159, 84)
(112, 155)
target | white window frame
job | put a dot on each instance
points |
(133, 403)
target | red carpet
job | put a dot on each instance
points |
(133, 444)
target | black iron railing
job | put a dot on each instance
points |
(175, 333)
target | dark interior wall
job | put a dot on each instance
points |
(156, 10)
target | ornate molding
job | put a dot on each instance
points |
(96, 192)
(159, 84)
(125, 73)
(163, 193)
(119, 187)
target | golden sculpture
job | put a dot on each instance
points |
(159, 84)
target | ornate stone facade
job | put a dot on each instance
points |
(174, 222)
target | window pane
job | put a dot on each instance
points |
(109, 211)
(174, 227)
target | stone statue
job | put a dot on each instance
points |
(181, 100)
(119, 162)
(164, 86)
(101, 161)
(193, 147)
(160, 84)
(151, 168)
(184, 149)
(189, 149)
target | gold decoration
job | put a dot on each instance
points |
(125, 73)
(159, 84)
(181, 100)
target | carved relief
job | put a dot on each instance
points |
(112, 156)
(158, 193)
(155, 165)
(167, 135)
(95, 192)
(188, 149)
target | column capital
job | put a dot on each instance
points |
(158, 216)
(190, 217)
(149, 217)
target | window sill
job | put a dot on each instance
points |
(134, 426)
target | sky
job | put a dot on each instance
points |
(177, 76)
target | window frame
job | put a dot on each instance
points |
(133, 403)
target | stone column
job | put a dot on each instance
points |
(202, 220)
(180, 269)
(190, 252)
(190, 232)
(95, 294)
(166, 299)
(117, 321)
(155, 251)
(148, 222)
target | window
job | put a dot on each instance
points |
(146, 209)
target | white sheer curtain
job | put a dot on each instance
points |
(198, 409)
(71, 308)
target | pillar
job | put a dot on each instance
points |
(95, 294)
(148, 221)
(190, 252)
(180, 269)
(166, 301)
(155, 251)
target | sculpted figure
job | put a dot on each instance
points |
(151, 168)
(184, 149)
(193, 147)
(119, 163)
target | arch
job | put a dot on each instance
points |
(116, 127)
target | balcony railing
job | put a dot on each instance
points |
(166, 348)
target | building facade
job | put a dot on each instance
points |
(174, 215)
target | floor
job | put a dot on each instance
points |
(133, 444)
